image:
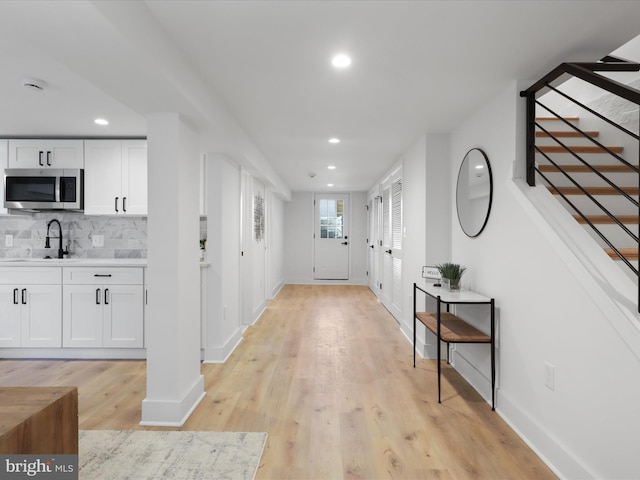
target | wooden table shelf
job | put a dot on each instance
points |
(450, 328)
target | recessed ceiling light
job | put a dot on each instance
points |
(331, 167)
(341, 61)
(101, 121)
(329, 184)
(334, 140)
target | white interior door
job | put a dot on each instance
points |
(331, 239)
(392, 233)
(374, 243)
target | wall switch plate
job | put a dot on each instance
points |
(97, 241)
(8, 240)
(549, 376)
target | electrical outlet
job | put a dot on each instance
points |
(97, 241)
(8, 240)
(549, 376)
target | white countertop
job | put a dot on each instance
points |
(69, 262)
(78, 262)
(459, 296)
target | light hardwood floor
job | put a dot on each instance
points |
(327, 373)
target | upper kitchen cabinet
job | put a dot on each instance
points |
(28, 153)
(115, 177)
(4, 154)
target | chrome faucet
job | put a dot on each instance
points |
(61, 252)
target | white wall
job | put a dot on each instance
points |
(275, 242)
(222, 327)
(589, 425)
(298, 239)
(427, 224)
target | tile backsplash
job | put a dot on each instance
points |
(124, 237)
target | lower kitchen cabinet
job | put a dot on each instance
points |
(103, 307)
(31, 306)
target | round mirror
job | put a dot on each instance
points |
(474, 192)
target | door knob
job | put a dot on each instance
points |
(389, 251)
(345, 243)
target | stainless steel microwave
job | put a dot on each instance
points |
(44, 189)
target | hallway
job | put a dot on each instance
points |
(327, 373)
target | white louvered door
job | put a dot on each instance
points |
(392, 233)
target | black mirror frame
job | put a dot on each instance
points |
(486, 218)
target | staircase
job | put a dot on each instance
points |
(603, 196)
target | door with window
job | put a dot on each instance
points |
(331, 237)
(392, 233)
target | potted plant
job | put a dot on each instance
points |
(451, 274)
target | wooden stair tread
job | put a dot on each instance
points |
(566, 134)
(594, 190)
(556, 119)
(452, 329)
(628, 253)
(578, 149)
(605, 220)
(584, 169)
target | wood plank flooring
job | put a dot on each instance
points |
(327, 373)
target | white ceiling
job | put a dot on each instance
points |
(255, 76)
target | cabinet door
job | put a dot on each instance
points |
(102, 177)
(4, 163)
(42, 316)
(28, 153)
(65, 153)
(82, 308)
(134, 176)
(123, 316)
(10, 317)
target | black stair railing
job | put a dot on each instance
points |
(587, 73)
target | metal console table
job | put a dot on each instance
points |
(450, 328)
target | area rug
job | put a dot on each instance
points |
(175, 455)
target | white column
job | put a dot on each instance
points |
(172, 322)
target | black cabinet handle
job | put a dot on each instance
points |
(370, 246)
(24, 296)
(106, 296)
(105, 275)
(124, 204)
(49, 159)
(117, 204)
(388, 251)
(97, 296)
(15, 296)
(40, 158)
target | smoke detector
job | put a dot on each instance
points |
(33, 84)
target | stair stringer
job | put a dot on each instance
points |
(614, 293)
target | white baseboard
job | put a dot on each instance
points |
(551, 451)
(276, 290)
(75, 353)
(220, 354)
(172, 413)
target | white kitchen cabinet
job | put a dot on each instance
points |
(28, 153)
(103, 307)
(31, 305)
(115, 177)
(4, 163)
